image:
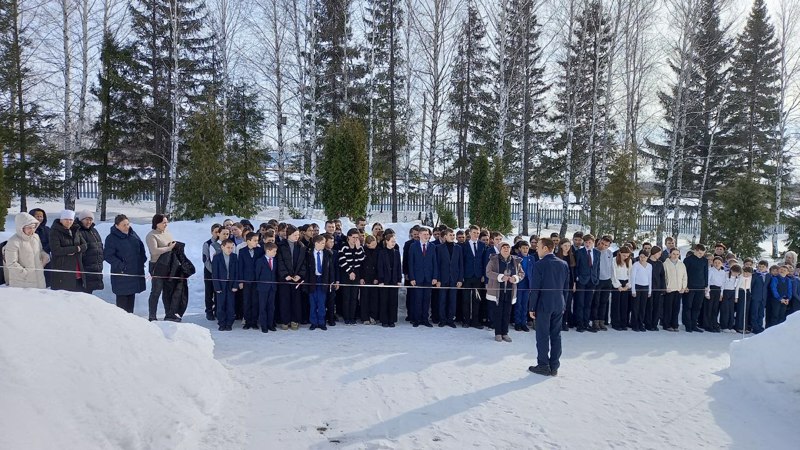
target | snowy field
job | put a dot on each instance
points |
(77, 372)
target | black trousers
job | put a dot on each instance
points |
(157, 287)
(711, 309)
(126, 302)
(435, 305)
(211, 296)
(349, 301)
(388, 305)
(369, 303)
(672, 307)
(239, 304)
(289, 299)
(501, 313)
(568, 317)
(330, 306)
(655, 307)
(692, 301)
(726, 309)
(251, 304)
(305, 307)
(619, 306)
(638, 307)
(599, 309)
(777, 312)
(471, 302)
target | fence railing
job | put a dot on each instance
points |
(416, 203)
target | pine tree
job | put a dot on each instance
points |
(793, 232)
(201, 188)
(620, 205)
(753, 97)
(478, 181)
(496, 201)
(344, 170)
(469, 100)
(32, 167)
(739, 216)
(173, 48)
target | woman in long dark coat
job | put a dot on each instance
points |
(93, 257)
(67, 246)
(124, 251)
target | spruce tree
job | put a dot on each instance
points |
(740, 216)
(344, 170)
(620, 203)
(478, 181)
(469, 99)
(496, 201)
(754, 95)
(793, 232)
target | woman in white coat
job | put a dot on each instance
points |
(23, 255)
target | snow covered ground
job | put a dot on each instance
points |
(82, 374)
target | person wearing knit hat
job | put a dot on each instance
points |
(85, 214)
(67, 246)
(67, 214)
(92, 258)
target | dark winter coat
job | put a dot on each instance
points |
(92, 258)
(369, 267)
(291, 265)
(389, 267)
(177, 268)
(43, 231)
(659, 277)
(696, 271)
(67, 248)
(126, 255)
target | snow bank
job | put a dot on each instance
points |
(77, 372)
(769, 360)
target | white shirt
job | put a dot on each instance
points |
(641, 275)
(716, 277)
(731, 283)
(621, 273)
(473, 245)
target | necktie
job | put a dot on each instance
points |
(423, 249)
(319, 264)
(589, 252)
(474, 249)
(269, 260)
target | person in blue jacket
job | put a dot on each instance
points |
(523, 288)
(782, 290)
(266, 276)
(451, 275)
(247, 258)
(423, 272)
(760, 295)
(550, 284)
(224, 269)
(587, 277)
(475, 260)
(124, 251)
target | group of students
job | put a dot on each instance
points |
(714, 291)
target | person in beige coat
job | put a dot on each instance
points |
(676, 278)
(23, 255)
(503, 272)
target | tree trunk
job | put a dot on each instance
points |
(69, 156)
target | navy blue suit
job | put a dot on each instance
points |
(451, 271)
(422, 269)
(524, 291)
(226, 279)
(550, 285)
(319, 285)
(247, 272)
(266, 277)
(474, 277)
(587, 276)
(759, 288)
(289, 298)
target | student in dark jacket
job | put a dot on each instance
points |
(655, 304)
(697, 282)
(319, 281)
(389, 274)
(587, 273)
(330, 300)
(266, 276)
(549, 288)
(351, 257)
(93, 257)
(423, 272)
(451, 275)
(247, 258)
(124, 252)
(760, 291)
(413, 238)
(475, 259)
(291, 273)
(224, 269)
(210, 248)
(67, 247)
(781, 290)
(43, 231)
(369, 277)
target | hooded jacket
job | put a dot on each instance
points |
(43, 231)
(24, 257)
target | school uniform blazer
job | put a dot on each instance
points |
(760, 288)
(266, 275)
(288, 266)
(389, 268)
(474, 264)
(225, 278)
(406, 248)
(422, 269)
(584, 274)
(451, 268)
(247, 263)
(550, 285)
(311, 268)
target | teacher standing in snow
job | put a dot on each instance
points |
(159, 241)
(550, 286)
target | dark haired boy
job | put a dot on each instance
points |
(266, 278)
(224, 269)
(247, 273)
